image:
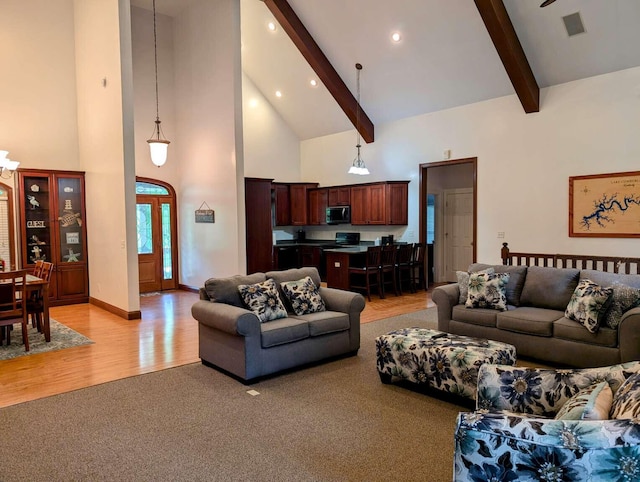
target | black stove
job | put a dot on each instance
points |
(348, 239)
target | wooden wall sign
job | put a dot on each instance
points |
(205, 215)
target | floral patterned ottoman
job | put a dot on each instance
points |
(439, 360)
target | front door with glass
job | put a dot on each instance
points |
(156, 221)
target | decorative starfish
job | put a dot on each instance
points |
(71, 256)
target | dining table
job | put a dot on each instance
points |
(38, 285)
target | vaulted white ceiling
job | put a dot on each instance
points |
(444, 59)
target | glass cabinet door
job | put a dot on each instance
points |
(70, 220)
(37, 218)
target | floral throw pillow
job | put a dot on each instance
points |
(463, 283)
(590, 403)
(263, 300)
(588, 304)
(303, 296)
(487, 290)
(626, 401)
(623, 299)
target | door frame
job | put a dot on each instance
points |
(172, 198)
(11, 262)
(424, 173)
(446, 219)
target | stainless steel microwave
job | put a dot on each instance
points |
(339, 215)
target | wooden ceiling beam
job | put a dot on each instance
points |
(318, 61)
(504, 37)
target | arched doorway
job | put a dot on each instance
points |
(157, 235)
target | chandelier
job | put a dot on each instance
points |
(158, 145)
(358, 166)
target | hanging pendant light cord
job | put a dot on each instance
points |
(358, 68)
(155, 52)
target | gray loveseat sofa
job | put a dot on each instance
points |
(534, 321)
(232, 338)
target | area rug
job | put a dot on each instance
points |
(330, 422)
(61, 337)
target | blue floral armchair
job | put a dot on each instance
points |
(512, 435)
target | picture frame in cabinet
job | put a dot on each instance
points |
(72, 238)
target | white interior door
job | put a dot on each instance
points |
(458, 234)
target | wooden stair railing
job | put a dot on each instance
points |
(610, 264)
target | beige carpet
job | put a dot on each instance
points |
(330, 422)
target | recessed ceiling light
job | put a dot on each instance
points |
(313, 82)
(272, 26)
(278, 93)
(396, 37)
(253, 103)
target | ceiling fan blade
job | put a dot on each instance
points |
(546, 2)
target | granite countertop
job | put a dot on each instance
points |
(350, 249)
(309, 242)
(329, 245)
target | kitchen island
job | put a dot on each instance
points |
(311, 252)
(339, 260)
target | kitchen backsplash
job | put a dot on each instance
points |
(367, 233)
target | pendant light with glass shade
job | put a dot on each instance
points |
(7, 166)
(158, 145)
(358, 166)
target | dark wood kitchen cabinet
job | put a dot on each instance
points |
(299, 203)
(257, 197)
(282, 205)
(359, 201)
(53, 228)
(290, 202)
(368, 204)
(397, 200)
(317, 206)
(339, 196)
(309, 256)
(379, 203)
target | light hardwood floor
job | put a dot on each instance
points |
(165, 337)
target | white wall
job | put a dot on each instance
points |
(271, 148)
(105, 123)
(524, 160)
(56, 114)
(327, 159)
(145, 93)
(208, 98)
(38, 120)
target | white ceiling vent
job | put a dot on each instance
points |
(573, 24)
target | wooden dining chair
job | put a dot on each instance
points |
(37, 271)
(388, 268)
(369, 270)
(403, 266)
(35, 304)
(418, 274)
(12, 310)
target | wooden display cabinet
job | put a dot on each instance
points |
(52, 228)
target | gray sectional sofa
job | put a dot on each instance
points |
(535, 320)
(232, 338)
